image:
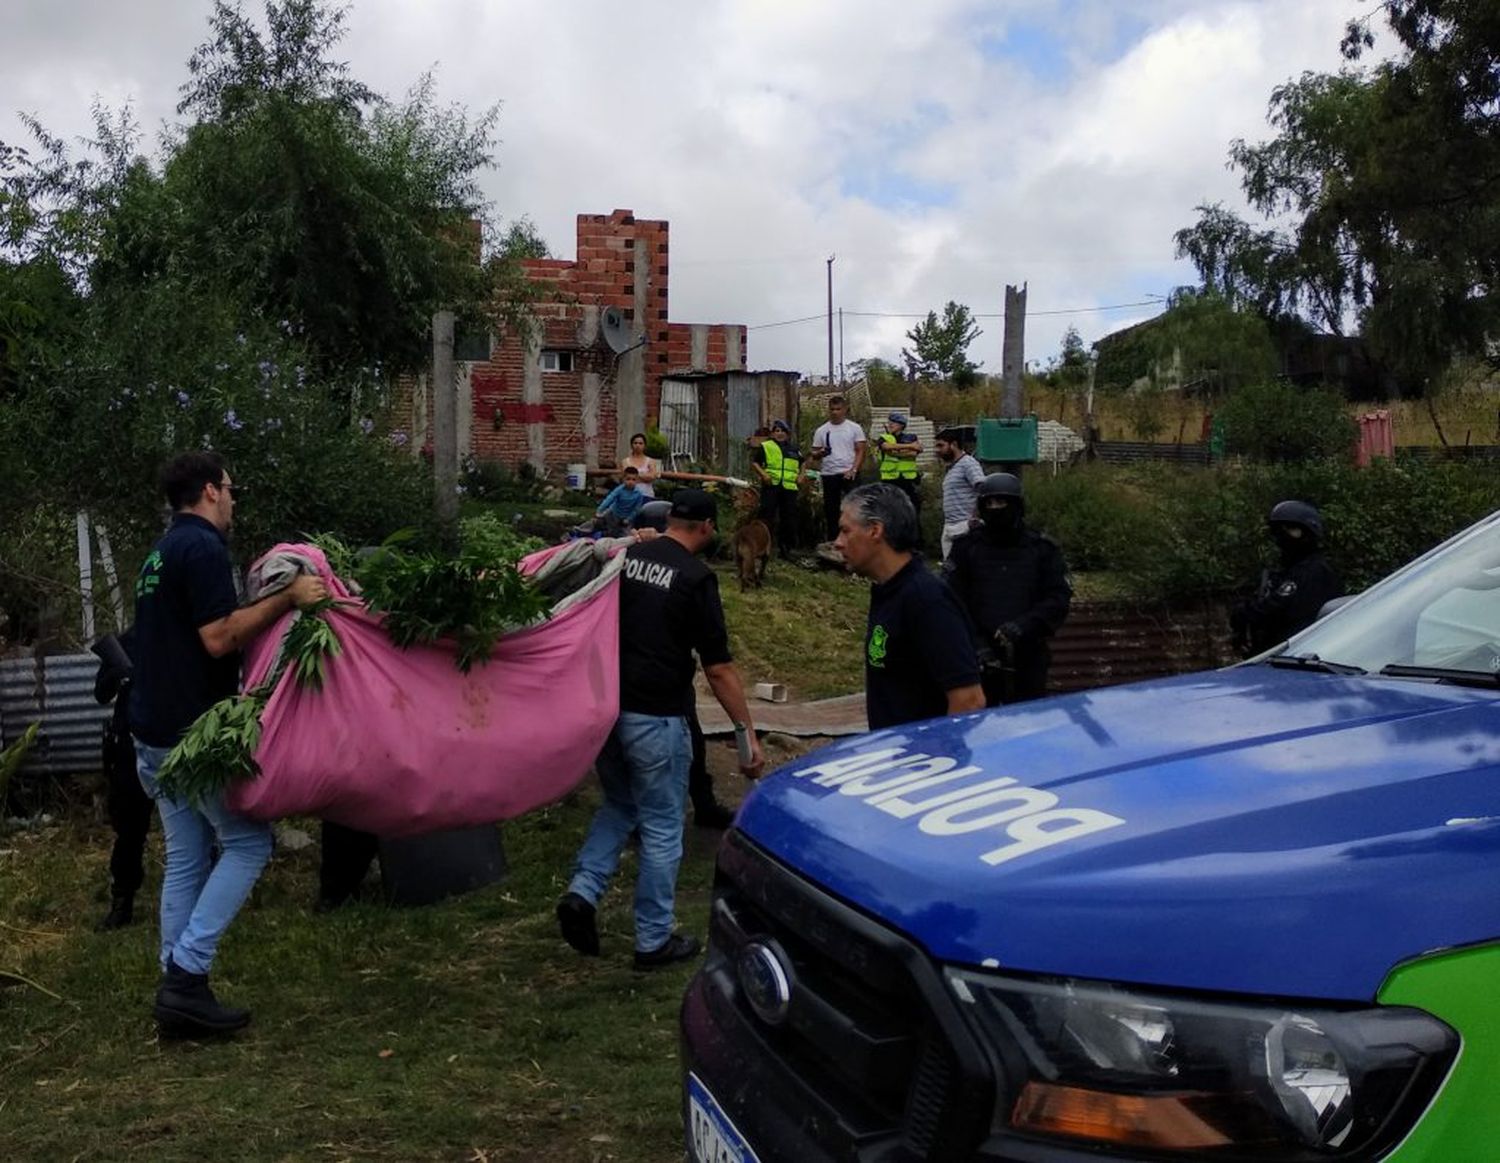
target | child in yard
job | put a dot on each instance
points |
(618, 509)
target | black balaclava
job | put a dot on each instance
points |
(1292, 541)
(1002, 520)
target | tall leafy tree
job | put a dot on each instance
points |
(1381, 191)
(523, 240)
(282, 251)
(939, 346)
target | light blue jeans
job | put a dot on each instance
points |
(644, 772)
(200, 896)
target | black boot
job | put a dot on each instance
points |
(121, 913)
(187, 1008)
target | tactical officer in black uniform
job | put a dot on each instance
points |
(1014, 584)
(130, 809)
(1287, 598)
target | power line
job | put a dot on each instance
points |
(1000, 315)
(786, 322)
(1152, 302)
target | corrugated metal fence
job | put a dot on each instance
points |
(1135, 451)
(1105, 643)
(58, 691)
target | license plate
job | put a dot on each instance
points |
(712, 1138)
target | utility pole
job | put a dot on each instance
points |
(1013, 354)
(444, 423)
(830, 319)
(841, 347)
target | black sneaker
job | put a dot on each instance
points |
(677, 947)
(713, 815)
(576, 918)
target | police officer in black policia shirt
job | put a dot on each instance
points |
(669, 608)
(708, 812)
(919, 649)
(1288, 597)
(1014, 585)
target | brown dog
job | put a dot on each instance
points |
(752, 551)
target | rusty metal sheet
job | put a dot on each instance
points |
(1104, 644)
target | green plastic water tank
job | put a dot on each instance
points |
(1007, 441)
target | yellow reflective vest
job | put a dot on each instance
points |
(782, 469)
(893, 468)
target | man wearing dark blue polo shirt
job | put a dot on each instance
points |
(190, 629)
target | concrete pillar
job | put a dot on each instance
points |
(630, 378)
(531, 393)
(699, 359)
(734, 356)
(588, 338)
(465, 411)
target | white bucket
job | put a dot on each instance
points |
(577, 477)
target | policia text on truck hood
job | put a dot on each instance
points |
(1249, 914)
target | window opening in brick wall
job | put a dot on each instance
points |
(557, 361)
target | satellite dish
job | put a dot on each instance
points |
(616, 331)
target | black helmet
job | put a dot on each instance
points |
(1295, 513)
(653, 515)
(1000, 484)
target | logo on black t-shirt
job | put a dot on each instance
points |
(876, 650)
(150, 577)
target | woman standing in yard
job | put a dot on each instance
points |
(646, 467)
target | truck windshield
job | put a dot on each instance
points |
(1441, 612)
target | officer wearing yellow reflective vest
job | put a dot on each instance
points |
(777, 463)
(898, 450)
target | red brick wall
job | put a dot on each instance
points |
(680, 348)
(612, 249)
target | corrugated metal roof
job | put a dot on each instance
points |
(59, 691)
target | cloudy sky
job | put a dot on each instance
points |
(939, 148)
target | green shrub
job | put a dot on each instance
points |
(1098, 514)
(1280, 423)
(493, 480)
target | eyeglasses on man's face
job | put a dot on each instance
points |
(235, 491)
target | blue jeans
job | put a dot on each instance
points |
(200, 896)
(644, 770)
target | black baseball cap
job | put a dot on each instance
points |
(693, 505)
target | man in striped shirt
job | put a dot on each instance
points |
(960, 484)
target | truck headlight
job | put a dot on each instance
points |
(1169, 1074)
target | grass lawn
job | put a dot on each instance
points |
(462, 1031)
(804, 628)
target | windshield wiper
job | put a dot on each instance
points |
(1312, 662)
(1479, 678)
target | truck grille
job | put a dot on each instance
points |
(870, 1031)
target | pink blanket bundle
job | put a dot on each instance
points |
(400, 742)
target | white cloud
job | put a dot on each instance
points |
(746, 122)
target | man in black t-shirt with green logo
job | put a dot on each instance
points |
(919, 650)
(189, 631)
(669, 609)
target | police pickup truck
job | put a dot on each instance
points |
(1252, 914)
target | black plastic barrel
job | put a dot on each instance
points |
(421, 870)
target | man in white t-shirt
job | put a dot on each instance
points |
(838, 452)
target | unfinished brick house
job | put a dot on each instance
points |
(567, 397)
